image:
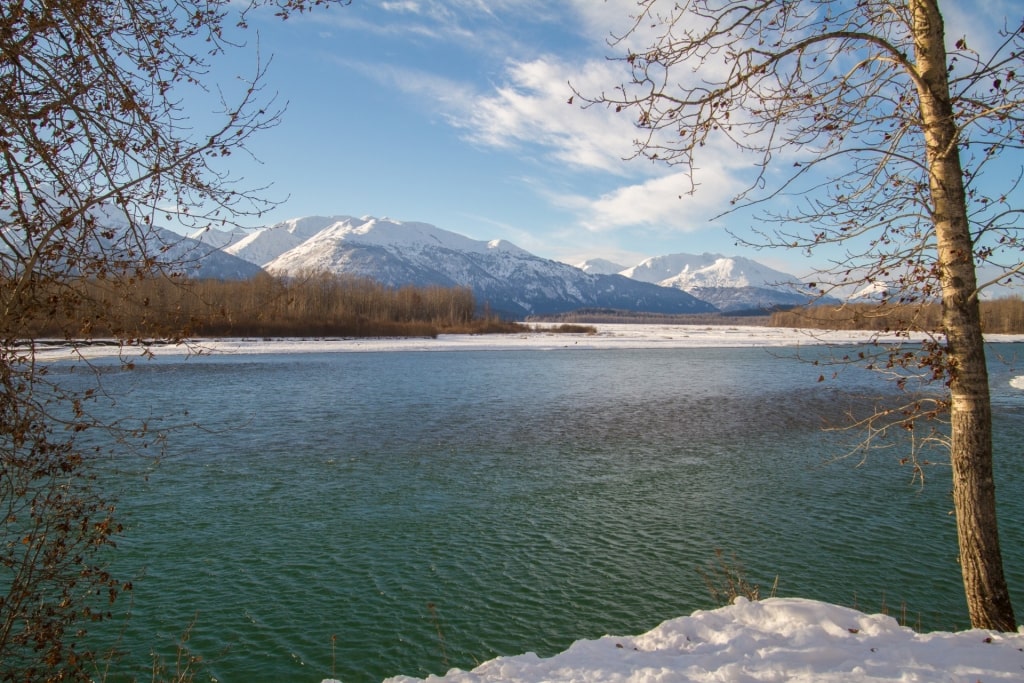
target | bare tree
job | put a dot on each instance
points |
(96, 148)
(890, 148)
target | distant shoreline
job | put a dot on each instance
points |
(608, 336)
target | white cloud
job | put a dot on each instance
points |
(409, 6)
(532, 108)
(351, 22)
(527, 104)
(606, 21)
(664, 202)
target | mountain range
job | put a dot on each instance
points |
(120, 243)
(510, 280)
(730, 283)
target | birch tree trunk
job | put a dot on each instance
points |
(988, 599)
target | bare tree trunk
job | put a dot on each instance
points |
(988, 598)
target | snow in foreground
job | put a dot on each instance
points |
(779, 639)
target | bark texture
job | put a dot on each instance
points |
(974, 496)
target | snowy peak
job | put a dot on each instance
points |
(313, 234)
(218, 239)
(401, 235)
(507, 247)
(265, 244)
(328, 247)
(311, 225)
(873, 291)
(600, 266)
(732, 284)
(692, 271)
(200, 259)
(386, 232)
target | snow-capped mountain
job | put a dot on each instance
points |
(218, 239)
(193, 258)
(506, 278)
(600, 266)
(321, 250)
(873, 291)
(266, 244)
(198, 259)
(730, 283)
(687, 271)
(118, 242)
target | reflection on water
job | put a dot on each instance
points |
(364, 515)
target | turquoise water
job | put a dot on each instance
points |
(361, 515)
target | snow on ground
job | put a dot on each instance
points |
(779, 639)
(608, 336)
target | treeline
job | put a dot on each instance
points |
(998, 316)
(265, 306)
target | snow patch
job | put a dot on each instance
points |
(779, 639)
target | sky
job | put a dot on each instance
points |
(457, 113)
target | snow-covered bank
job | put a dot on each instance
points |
(608, 336)
(779, 639)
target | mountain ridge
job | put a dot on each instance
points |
(505, 277)
(733, 284)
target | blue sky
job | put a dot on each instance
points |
(455, 113)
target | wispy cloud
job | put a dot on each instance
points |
(409, 6)
(663, 202)
(533, 108)
(475, 25)
(448, 96)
